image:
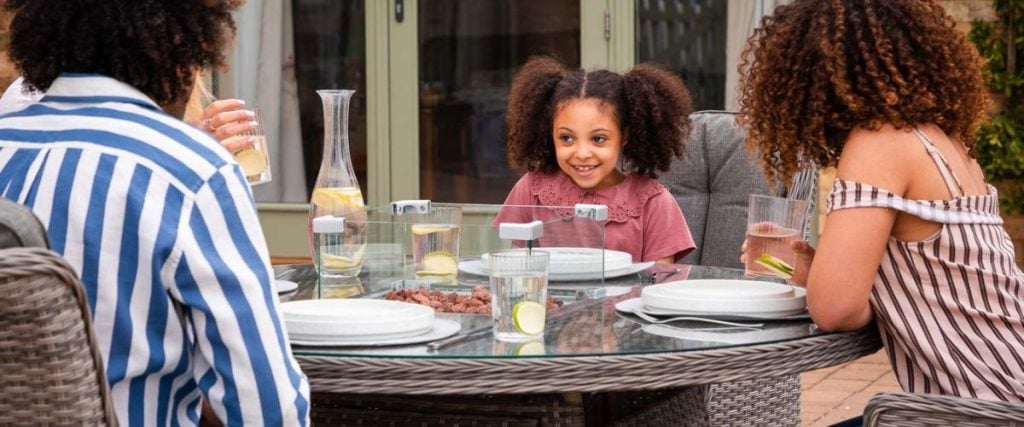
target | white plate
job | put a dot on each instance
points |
(724, 296)
(633, 304)
(564, 261)
(342, 330)
(475, 267)
(722, 289)
(285, 286)
(356, 318)
(442, 328)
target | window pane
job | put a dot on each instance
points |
(688, 37)
(468, 52)
(330, 53)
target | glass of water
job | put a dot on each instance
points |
(519, 292)
(772, 224)
(435, 244)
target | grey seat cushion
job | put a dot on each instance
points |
(19, 227)
(712, 184)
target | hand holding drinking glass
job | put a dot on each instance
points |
(804, 256)
(225, 119)
(241, 132)
(773, 224)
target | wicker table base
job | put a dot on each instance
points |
(686, 388)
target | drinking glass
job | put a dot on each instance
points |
(435, 244)
(519, 291)
(254, 160)
(772, 223)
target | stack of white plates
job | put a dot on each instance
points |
(724, 297)
(361, 322)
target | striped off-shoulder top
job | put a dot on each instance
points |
(950, 308)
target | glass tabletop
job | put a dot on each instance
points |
(587, 323)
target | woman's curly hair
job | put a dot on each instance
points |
(651, 106)
(156, 46)
(817, 69)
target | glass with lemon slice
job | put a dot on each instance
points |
(253, 159)
(435, 244)
(519, 291)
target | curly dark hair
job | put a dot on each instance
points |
(156, 46)
(651, 106)
(817, 69)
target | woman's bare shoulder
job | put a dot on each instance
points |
(885, 157)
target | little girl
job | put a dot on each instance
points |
(570, 129)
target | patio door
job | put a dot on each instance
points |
(466, 53)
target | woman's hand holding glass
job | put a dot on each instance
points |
(226, 120)
(241, 132)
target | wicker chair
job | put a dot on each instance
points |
(51, 372)
(927, 410)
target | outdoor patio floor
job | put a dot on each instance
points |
(834, 394)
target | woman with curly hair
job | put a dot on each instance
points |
(155, 217)
(572, 130)
(891, 93)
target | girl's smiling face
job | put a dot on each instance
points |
(588, 142)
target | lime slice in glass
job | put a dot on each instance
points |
(776, 265)
(528, 317)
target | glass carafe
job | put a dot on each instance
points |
(337, 193)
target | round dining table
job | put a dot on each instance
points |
(596, 366)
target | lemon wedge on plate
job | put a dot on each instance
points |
(528, 317)
(338, 199)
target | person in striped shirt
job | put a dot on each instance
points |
(152, 213)
(891, 92)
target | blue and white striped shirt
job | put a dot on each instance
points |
(160, 224)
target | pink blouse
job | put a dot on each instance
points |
(643, 218)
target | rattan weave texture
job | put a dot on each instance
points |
(776, 402)
(51, 372)
(437, 376)
(493, 410)
(926, 410)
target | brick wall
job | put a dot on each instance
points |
(965, 11)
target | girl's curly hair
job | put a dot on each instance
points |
(156, 46)
(651, 106)
(817, 69)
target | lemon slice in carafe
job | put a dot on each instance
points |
(338, 199)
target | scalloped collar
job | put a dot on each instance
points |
(625, 200)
